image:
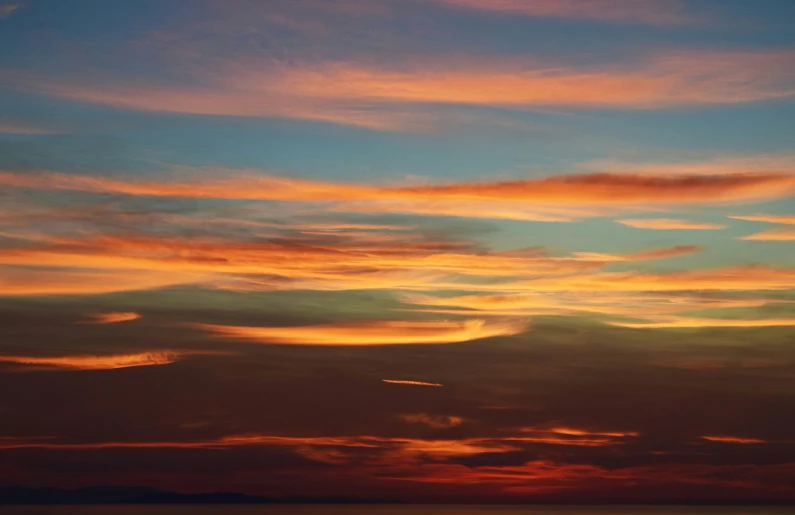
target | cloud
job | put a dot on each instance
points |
(571, 442)
(392, 98)
(386, 446)
(374, 333)
(772, 235)
(332, 260)
(382, 451)
(7, 9)
(663, 253)
(624, 304)
(733, 439)
(773, 219)
(22, 128)
(410, 383)
(751, 277)
(683, 322)
(669, 224)
(16, 281)
(112, 318)
(555, 198)
(535, 477)
(785, 234)
(759, 163)
(663, 81)
(432, 421)
(573, 437)
(80, 362)
(583, 432)
(651, 12)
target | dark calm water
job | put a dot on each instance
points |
(385, 510)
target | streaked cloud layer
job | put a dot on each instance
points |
(430, 251)
(374, 333)
(666, 224)
(555, 198)
(618, 11)
(112, 318)
(79, 362)
(377, 97)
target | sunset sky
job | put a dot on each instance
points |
(417, 250)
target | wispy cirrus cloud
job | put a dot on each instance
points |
(386, 446)
(772, 235)
(755, 163)
(554, 198)
(646, 255)
(108, 362)
(389, 449)
(23, 128)
(733, 439)
(7, 9)
(584, 432)
(785, 234)
(573, 436)
(773, 219)
(612, 304)
(668, 224)
(373, 333)
(750, 277)
(396, 97)
(112, 318)
(332, 260)
(651, 12)
(29, 281)
(410, 383)
(686, 322)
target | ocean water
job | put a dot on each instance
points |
(387, 510)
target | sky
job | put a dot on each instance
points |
(416, 250)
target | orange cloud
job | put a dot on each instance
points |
(28, 282)
(396, 447)
(732, 439)
(563, 303)
(762, 163)
(752, 277)
(374, 333)
(773, 219)
(772, 235)
(572, 442)
(346, 262)
(572, 437)
(555, 198)
(663, 253)
(682, 322)
(410, 383)
(651, 12)
(97, 362)
(112, 318)
(669, 224)
(228, 441)
(665, 80)
(391, 98)
(582, 432)
(540, 476)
